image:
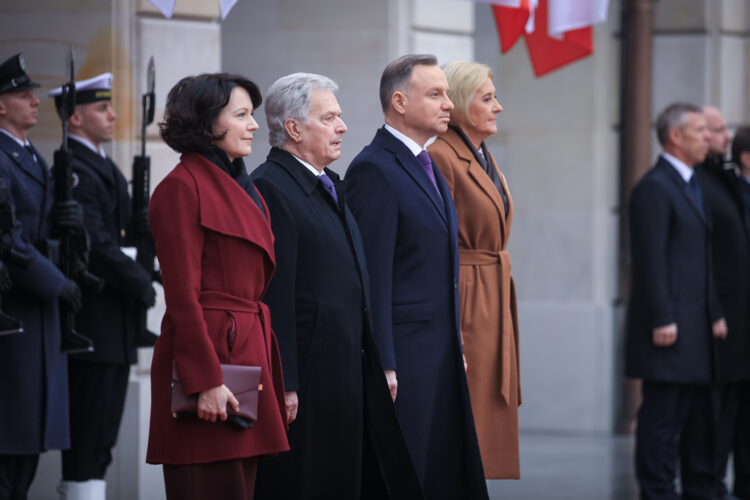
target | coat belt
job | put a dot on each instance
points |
(222, 301)
(478, 257)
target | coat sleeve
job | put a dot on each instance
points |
(280, 296)
(650, 213)
(119, 271)
(175, 221)
(41, 278)
(371, 199)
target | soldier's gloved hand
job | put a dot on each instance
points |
(150, 298)
(71, 295)
(68, 214)
(5, 283)
(140, 222)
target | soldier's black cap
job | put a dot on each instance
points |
(13, 77)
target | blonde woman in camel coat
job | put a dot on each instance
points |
(489, 321)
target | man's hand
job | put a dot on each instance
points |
(665, 335)
(292, 403)
(212, 403)
(720, 329)
(390, 376)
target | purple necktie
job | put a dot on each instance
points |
(426, 162)
(328, 183)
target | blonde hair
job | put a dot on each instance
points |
(464, 79)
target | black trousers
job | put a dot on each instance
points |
(97, 398)
(742, 443)
(661, 418)
(707, 441)
(16, 474)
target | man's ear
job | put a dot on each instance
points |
(398, 102)
(675, 135)
(293, 129)
(75, 119)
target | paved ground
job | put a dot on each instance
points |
(571, 467)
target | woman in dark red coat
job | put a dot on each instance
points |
(215, 249)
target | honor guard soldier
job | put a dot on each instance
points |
(33, 369)
(98, 380)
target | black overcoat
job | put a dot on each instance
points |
(410, 233)
(730, 241)
(107, 317)
(319, 300)
(672, 280)
(33, 370)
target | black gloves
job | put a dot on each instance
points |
(150, 298)
(71, 295)
(68, 215)
(5, 283)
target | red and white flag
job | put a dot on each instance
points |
(557, 32)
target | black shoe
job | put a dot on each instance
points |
(75, 343)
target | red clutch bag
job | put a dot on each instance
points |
(243, 381)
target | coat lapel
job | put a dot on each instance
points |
(411, 165)
(225, 207)
(478, 175)
(22, 158)
(102, 166)
(683, 187)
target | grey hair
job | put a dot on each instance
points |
(673, 116)
(397, 75)
(289, 97)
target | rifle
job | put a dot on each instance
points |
(9, 324)
(72, 243)
(144, 242)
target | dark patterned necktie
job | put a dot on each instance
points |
(31, 152)
(696, 192)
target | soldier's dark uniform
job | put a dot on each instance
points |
(33, 370)
(98, 380)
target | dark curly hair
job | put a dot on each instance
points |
(194, 104)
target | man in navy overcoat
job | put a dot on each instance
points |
(408, 223)
(33, 370)
(674, 310)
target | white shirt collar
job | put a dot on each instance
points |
(308, 166)
(88, 144)
(19, 141)
(410, 143)
(745, 178)
(685, 172)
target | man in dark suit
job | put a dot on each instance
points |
(98, 380)
(408, 222)
(345, 441)
(33, 370)
(709, 433)
(741, 444)
(674, 313)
